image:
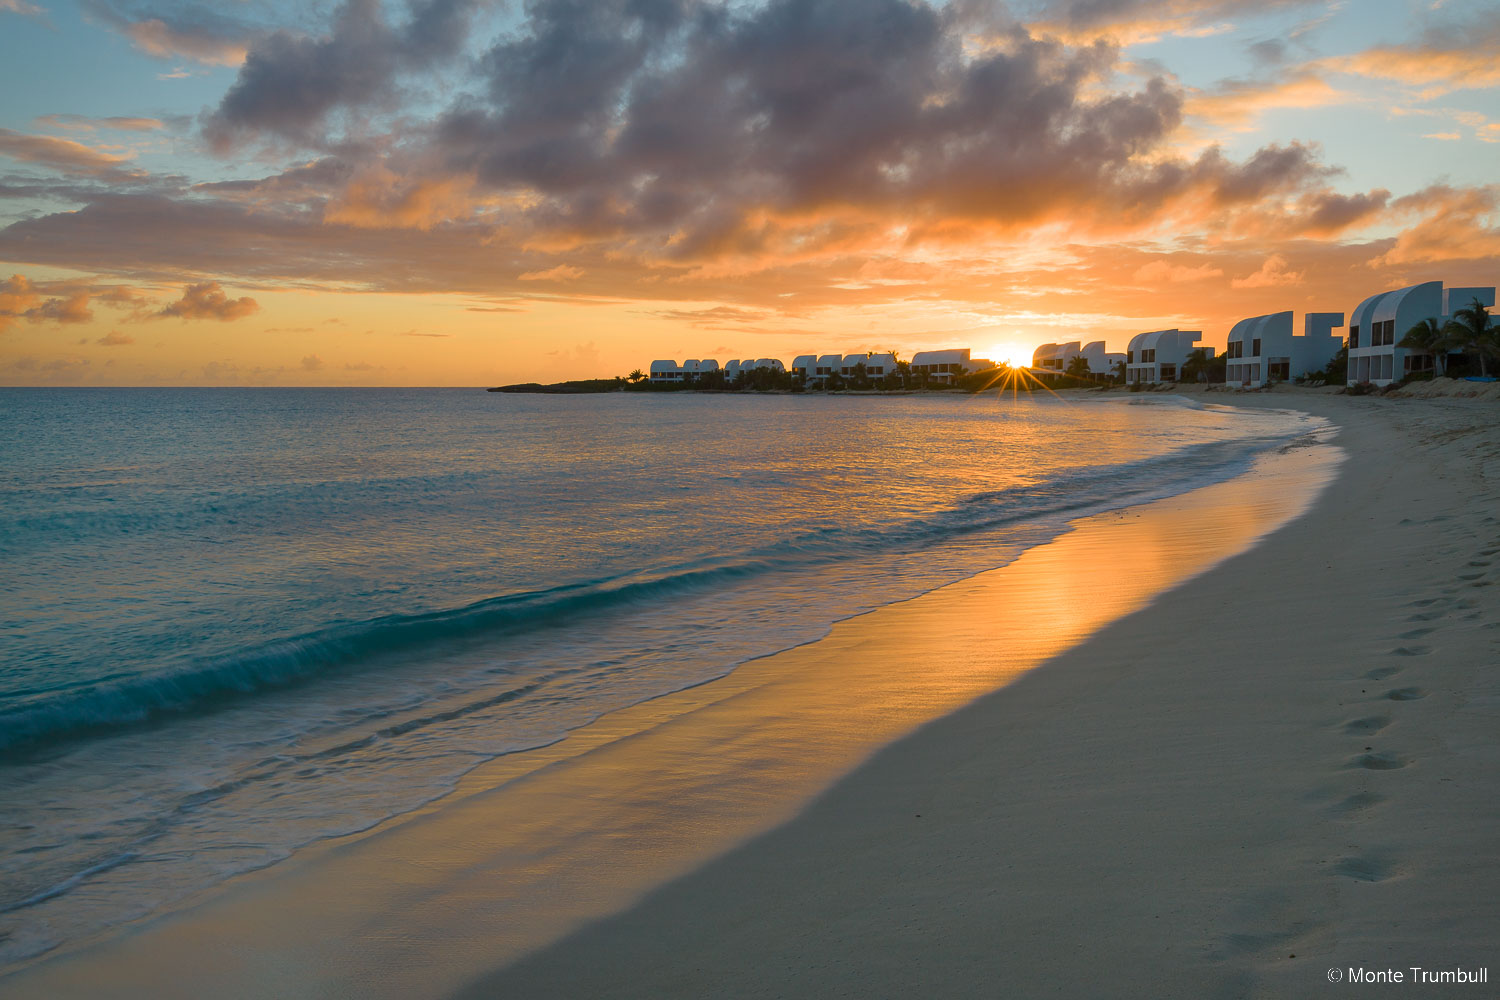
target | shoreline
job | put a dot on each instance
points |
(409, 875)
(1283, 768)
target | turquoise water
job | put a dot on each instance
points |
(236, 622)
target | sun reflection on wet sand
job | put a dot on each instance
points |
(533, 845)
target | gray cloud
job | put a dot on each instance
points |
(291, 81)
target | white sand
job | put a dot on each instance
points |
(1296, 754)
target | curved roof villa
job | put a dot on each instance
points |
(1381, 320)
(1264, 348)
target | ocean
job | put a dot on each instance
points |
(235, 623)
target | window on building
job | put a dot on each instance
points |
(1354, 336)
(1255, 348)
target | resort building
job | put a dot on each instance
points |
(876, 365)
(946, 365)
(1055, 358)
(1158, 356)
(671, 371)
(1381, 320)
(805, 365)
(733, 368)
(1263, 349)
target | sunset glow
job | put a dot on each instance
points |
(375, 192)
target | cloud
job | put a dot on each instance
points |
(291, 82)
(115, 339)
(176, 29)
(1160, 271)
(312, 363)
(17, 296)
(65, 155)
(562, 272)
(119, 123)
(73, 309)
(1236, 104)
(1272, 273)
(1134, 21)
(1453, 54)
(1452, 224)
(207, 300)
(21, 299)
(22, 7)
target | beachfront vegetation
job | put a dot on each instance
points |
(1471, 332)
(1474, 330)
(1213, 369)
(1430, 337)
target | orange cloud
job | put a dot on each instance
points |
(1239, 103)
(1164, 271)
(379, 198)
(1454, 224)
(17, 296)
(115, 339)
(1453, 57)
(1272, 273)
(157, 38)
(207, 300)
(562, 272)
(63, 154)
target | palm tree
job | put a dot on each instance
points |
(1428, 337)
(1473, 329)
(1120, 371)
(1197, 363)
(1078, 367)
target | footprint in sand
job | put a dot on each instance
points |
(1381, 673)
(1406, 694)
(1376, 761)
(1365, 869)
(1416, 633)
(1359, 802)
(1425, 616)
(1411, 650)
(1369, 724)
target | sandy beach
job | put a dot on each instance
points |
(1228, 777)
(1283, 768)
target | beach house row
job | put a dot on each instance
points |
(1055, 359)
(1267, 348)
(671, 371)
(937, 366)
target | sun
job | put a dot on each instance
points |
(1015, 355)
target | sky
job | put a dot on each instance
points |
(468, 192)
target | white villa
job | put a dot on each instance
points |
(1055, 357)
(733, 368)
(1158, 356)
(939, 366)
(671, 371)
(946, 365)
(1263, 348)
(1381, 320)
